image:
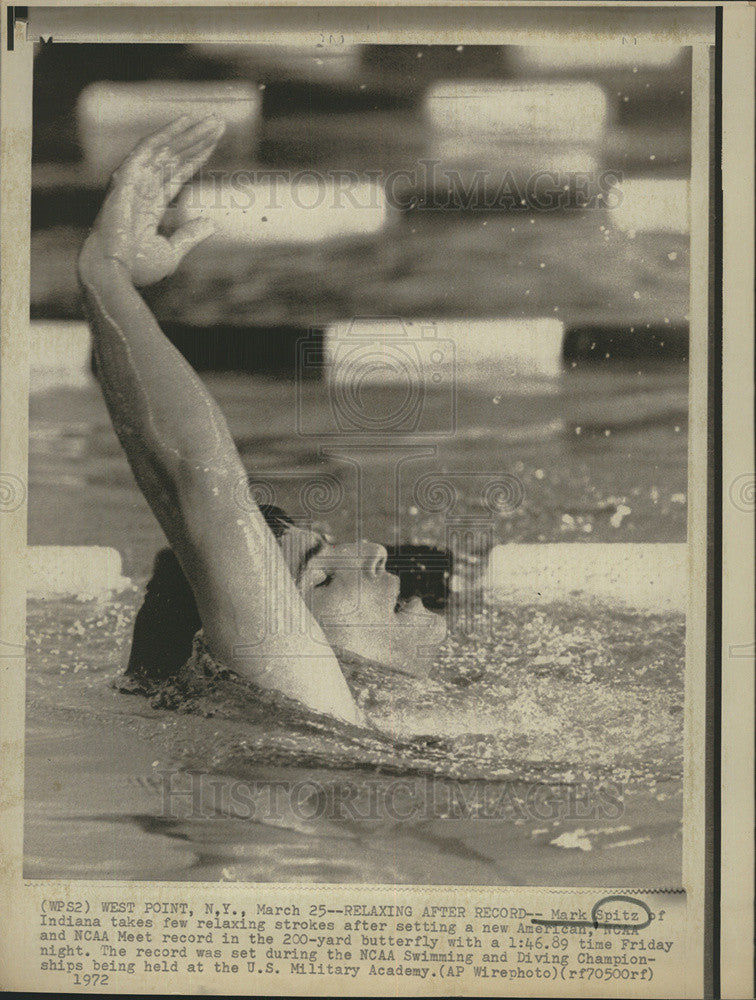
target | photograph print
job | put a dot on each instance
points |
(358, 468)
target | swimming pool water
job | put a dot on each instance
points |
(547, 751)
(557, 735)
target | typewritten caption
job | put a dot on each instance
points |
(100, 944)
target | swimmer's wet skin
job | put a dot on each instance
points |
(168, 619)
(268, 613)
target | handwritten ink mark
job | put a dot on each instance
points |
(595, 923)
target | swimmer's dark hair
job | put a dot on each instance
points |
(276, 518)
(168, 620)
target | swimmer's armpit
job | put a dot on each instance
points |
(166, 623)
(168, 620)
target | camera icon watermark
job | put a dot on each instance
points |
(742, 492)
(12, 493)
(383, 376)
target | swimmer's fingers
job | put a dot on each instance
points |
(189, 235)
(181, 169)
(148, 146)
(207, 129)
(168, 144)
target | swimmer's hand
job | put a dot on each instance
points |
(126, 230)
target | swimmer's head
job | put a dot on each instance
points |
(355, 600)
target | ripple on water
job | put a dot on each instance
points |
(563, 692)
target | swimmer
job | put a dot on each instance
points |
(277, 611)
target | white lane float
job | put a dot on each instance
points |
(434, 351)
(648, 577)
(113, 117)
(303, 208)
(582, 57)
(524, 128)
(650, 205)
(59, 355)
(82, 571)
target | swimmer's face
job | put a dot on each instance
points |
(356, 602)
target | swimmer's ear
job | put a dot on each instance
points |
(189, 235)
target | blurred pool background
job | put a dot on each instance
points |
(608, 428)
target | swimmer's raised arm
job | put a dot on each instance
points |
(177, 440)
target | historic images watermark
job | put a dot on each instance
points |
(428, 185)
(188, 796)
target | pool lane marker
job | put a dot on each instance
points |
(518, 129)
(435, 351)
(650, 205)
(308, 208)
(485, 352)
(572, 57)
(113, 116)
(82, 571)
(648, 577)
(59, 355)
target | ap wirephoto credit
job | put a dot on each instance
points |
(366, 499)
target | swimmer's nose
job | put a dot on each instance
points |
(374, 558)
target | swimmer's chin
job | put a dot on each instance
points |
(418, 666)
